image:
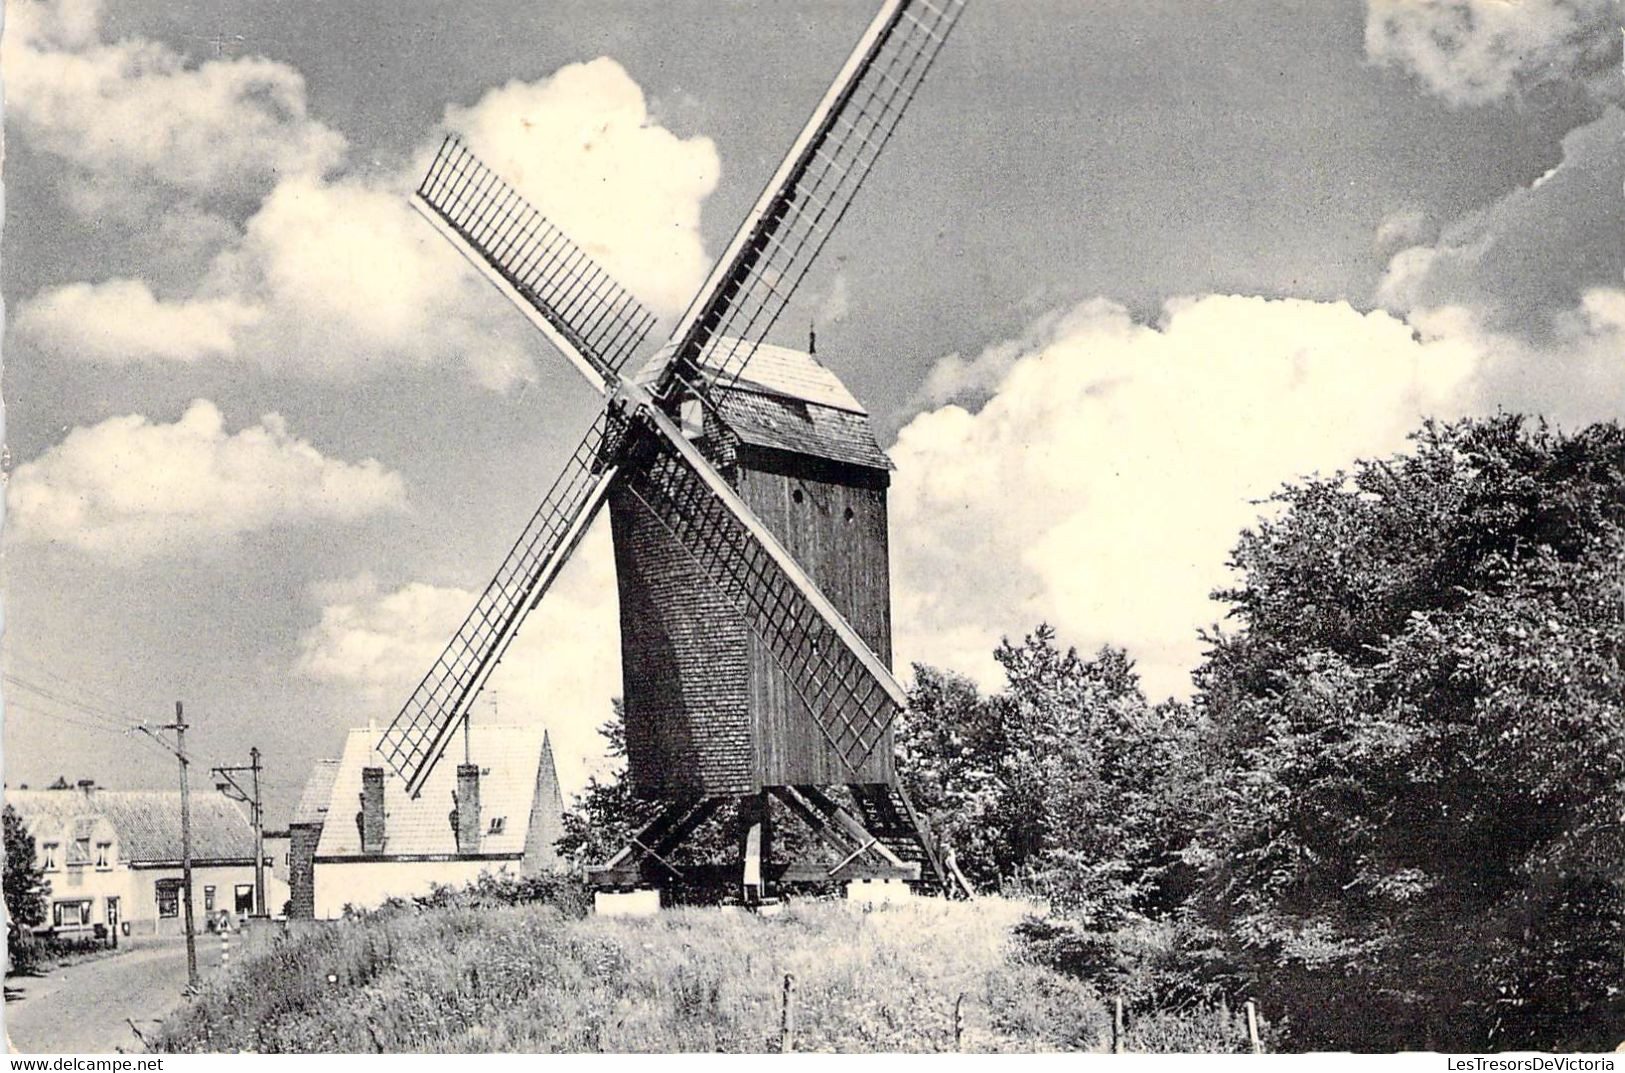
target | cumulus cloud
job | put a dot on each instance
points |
(121, 322)
(561, 672)
(1529, 277)
(582, 147)
(130, 488)
(1532, 252)
(305, 268)
(1105, 480)
(1477, 51)
(131, 118)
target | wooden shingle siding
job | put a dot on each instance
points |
(684, 662)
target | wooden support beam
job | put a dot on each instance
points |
(848, 823)
(753, 837)
(653, 831)
(813, 818)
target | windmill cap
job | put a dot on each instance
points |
(773, 370)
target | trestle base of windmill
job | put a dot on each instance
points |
(877, 840)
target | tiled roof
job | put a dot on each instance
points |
(793, 374)
(148, 822)
(772, 370)
(786, 425)
(509, 759)
(318, 791)
(788, 400)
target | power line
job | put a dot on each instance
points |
(71, 702)
(92, 695)
(63, 718)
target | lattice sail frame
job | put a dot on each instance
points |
(415, 739)
(598, 317)
(807, 198)
(596, 324)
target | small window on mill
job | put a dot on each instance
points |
(498, 823)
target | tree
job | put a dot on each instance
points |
(1064, 783)
(605, 814)
(26, 887)
(1418, 746)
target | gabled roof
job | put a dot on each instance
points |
(318, 791)
(147, 822)
(801, 428)
(793, 374)
(509, 759)
(789, 401)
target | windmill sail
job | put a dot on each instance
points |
(414, 741)
(850, 695)
(809, 194)
(533, 262)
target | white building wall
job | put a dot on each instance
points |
(367, 884)
(141, 907)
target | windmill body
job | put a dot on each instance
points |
(747, 498)
(708, 708)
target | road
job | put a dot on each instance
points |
(82, 1009)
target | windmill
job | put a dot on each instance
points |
(745, 680)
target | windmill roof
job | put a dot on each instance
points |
(509, 758)
(792, 374)
(318, 791)
(147, 822)
(804, 428)
(772, 370)
(788, 400)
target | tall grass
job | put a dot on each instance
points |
(529, 978)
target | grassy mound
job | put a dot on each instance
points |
(527, 978)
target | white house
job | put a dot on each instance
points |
(113, 857)
(501, 813)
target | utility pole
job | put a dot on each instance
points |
(250, 797)
(179, 749)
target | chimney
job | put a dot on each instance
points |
(372, 810)
(468, 808)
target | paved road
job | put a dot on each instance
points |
(82, 1009)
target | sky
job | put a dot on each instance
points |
(1126, 268)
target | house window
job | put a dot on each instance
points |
(49, 854)
(104, 856)
(169, 897)
(497, 825)
(74, 914)
(81, 851)
(243, 897)
(208, 899)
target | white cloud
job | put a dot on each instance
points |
(561, 672)
(1573, 377)
(581, 147)
(129, 488)
(120, 321)
(1401, 229)
(132, 118)
(1477, 51)
(1522, 276)
(1105, 481)
(335, 276)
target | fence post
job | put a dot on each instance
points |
(225, 948)
(1252, 1027)
(959, 1022)
(787, 1018)
(1117, 1025)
